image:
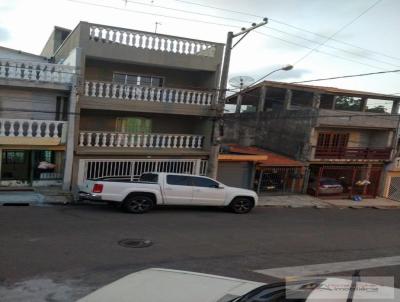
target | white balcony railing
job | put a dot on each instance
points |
(31, 128)
(36, 71)
(150, 41)
(147, 93)
(153, 140)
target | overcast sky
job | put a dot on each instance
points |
(26, 25)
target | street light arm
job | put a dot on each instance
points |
(285, 68)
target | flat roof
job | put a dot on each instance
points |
(319, 89)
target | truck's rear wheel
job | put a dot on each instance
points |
(138, 204)
(241, 205)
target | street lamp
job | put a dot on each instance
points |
(284, 68)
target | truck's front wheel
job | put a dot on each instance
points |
(241, 205)
(138, 204)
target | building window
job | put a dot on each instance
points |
(133, 125)
(13, 157)
(134, 79)
(332, 140)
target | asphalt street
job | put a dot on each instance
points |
(60, 253)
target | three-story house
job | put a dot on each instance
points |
(146, 101)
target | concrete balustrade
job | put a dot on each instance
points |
(31, 128)
(110, 90)
(36, 71)
(131, 140)
(150, 41)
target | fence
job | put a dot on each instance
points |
(279, 180)
(133, 168)
(344, 181)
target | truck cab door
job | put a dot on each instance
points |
(178, 190)
(207, 191)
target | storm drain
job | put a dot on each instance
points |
(135, 243)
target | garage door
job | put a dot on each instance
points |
(237, 174)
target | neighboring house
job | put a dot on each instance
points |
(34, 105)
(146, 101)
(344, 136)
(260, 170)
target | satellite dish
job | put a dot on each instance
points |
(241, 81)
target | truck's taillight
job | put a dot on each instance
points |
(97, 188)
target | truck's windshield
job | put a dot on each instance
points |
(149, 177)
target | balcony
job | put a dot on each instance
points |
(35, 72)
(147, 93)
(32, 132)
(133, 46)
(352, 153)
(151, 41)
(131, 141)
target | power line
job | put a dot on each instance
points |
(329, 46)
(319, 51)
(152, 14)
(288, 25)
(347, 76)
(378, 115)
(213, 23)
(338, 31)
(247, 21)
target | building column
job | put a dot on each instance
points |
(316, 101)
(70, 143)
(261, 101)
(238, 103)
(288, 99)
(363, 104)
(72, 121)
(395, 107)
(334, 102)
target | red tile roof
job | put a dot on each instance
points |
(273, 158)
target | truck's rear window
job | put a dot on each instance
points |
(149, 177)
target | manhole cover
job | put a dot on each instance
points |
(135, 243)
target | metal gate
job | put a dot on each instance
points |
(344, 181)
(279, 180)
(394, 188)
(133, 168)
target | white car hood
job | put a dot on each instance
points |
(162, 285)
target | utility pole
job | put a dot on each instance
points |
(213, 162)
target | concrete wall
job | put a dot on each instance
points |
(28, 103)
(103, 71)
(355, 119)
(285, 132)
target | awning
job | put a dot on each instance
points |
(272, 159)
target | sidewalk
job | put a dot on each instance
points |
(292, 201)
(39, 196)
(307, 201)
(376, 203)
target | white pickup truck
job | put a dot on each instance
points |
(168, 189)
